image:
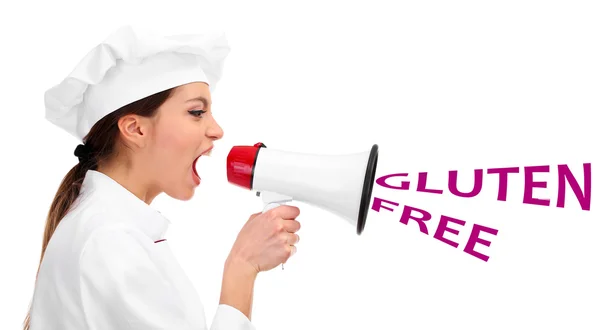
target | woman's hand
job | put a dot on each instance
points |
(267, 239)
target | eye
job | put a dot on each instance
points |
(197, 113)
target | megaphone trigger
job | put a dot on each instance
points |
(272, 200)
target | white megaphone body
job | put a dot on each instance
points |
(341, 184)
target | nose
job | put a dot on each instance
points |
(214, 131)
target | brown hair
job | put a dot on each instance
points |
(101, 140)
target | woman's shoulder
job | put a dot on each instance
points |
(111, 228)
(89, 236)
(118, 237)
(98, 225)
(87, 231)
(94, 216)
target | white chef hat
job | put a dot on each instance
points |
(129, 65)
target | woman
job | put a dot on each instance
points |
(141, 104)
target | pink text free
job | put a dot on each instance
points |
(442, 227)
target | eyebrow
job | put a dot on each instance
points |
(200, 98)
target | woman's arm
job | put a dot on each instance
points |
(237, 287)
(265, 241)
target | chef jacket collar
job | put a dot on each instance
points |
(135, 211)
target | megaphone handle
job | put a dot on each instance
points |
(270, 206)
(273, 200)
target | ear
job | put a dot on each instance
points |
(134, 129)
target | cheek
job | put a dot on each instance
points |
(169, 140)
(172, 144)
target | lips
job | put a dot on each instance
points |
(194, 166)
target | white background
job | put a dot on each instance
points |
(439, 86)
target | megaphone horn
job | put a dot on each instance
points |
(341, 184)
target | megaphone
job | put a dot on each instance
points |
(341, 184)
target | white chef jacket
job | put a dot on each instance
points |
(108, 267)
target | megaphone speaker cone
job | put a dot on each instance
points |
(367, 191)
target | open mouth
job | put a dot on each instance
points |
(194, 166)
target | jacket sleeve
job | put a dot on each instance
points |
(230, 318)
(122, 287)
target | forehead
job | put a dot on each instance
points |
(192, 92)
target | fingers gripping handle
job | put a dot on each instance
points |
(272, 200)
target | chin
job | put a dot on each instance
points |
(183, 190)
(184, 194)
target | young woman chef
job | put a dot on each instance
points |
(141, 105)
